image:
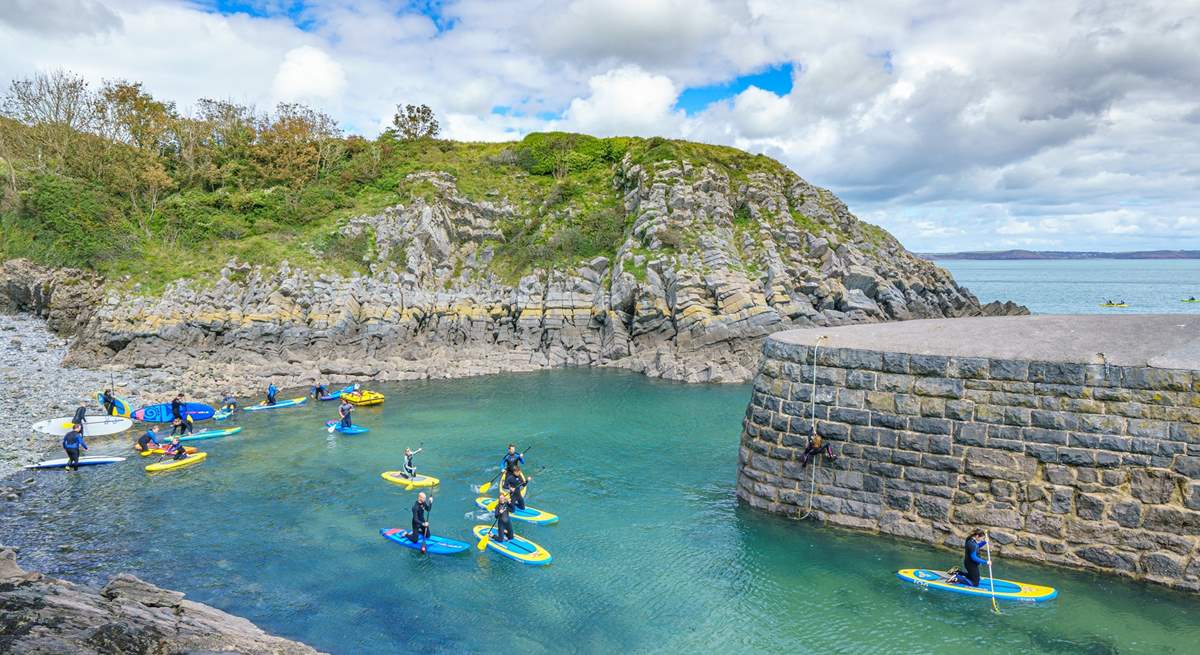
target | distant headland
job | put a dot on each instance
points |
(1064, 254)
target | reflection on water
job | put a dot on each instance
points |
(653, 554)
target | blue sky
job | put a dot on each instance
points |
(956, 126)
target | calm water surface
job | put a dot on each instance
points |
(652, 555)
(1080, 286)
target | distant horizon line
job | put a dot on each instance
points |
(1062, 254)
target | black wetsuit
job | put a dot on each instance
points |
(816, 446)
(319, 391)
(72, 442)
(80, 415)
(110, 403)
(971, 561)
(515, 482)
(511, 459)
(145, 440)
(181, 453)
(504, 530)
(177, 409)
(420, 519)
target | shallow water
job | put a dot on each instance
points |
(653, 554)
(1148, 286)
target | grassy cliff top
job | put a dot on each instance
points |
(182, 210)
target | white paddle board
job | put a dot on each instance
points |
(93, 426)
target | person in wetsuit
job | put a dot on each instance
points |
(181, 426)
(971, 559)
(319, 391)
(511, 457)
(272, 390)
(503, 514)
(175, 450)
(80, 416)
(344, 412)
(410, 469)
(514, 483)
(229, 402)
(110, 402)
(147, 438)
(420, 518)
(72, 442)
(816, 446)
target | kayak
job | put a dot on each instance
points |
(222, 414)
(1114, 304)
(214, 433)
(163, 451)
(93, 425)
(362, 398)
(291, 402)
(1190, 300)
(518, 548)
(353, 429)
(122, 408)
(161, 413)
(172, 464)
(417, 481)
(434, 545)
(83, 461)
(336, 394)
(1005, 589)
(528, 515)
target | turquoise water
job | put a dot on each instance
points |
(1080, 286)
(652, 555)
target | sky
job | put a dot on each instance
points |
(1069, 125)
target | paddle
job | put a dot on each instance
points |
(987, 545)
(483, 488)
(487, 536)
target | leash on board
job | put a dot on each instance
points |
(812, 426)
(987, 545)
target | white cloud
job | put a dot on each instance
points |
(308, 73)
(626, 101)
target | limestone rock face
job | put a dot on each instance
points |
(45, 616)
(709, 266)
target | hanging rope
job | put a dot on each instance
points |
(812, 427)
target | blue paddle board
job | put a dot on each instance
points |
(336, 394)
(434, 545)
(215, 433)
(353, 429)
(291, 402)
(222, 414)
(161, 413)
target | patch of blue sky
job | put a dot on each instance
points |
(777, 79)
(296, 10)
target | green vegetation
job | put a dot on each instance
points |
(113, 180)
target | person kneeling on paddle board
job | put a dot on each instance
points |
(319, 391)
(344, 411)
(512, 457)
(144, 441)
(410, 469)
(110, 402)
(77, 421)
(229, 402)
(514, 483)
(503, 514)
(971, 559)
(272, 390)
(816, 446)
(175, 449)
(420, 518)
(72, 442)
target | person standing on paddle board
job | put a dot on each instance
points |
(110, 402)
(144, 441)
(410, 469)
(514, 482)
(344, 411)
(420, 518)
(72, 442)
(80, 416)
(272, 390)
(503, 514)
(511, 458)
(971, 558)
(177, 407)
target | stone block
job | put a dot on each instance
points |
(1044, 436)
(1054, 420)
(1171, 519)
(1157, 379)
(928, 365)
(848, 479)
(1014, 445)
(939, 387)
(970, 434)
(937, 509)
(989, 413)
(895, 362)
(1148, 429)
(879, 401)
(933, 407)
(886, 469)
(942, 463)
(926, 476)
(1107, 558)
(1104, 423)
(833, 431)
(930, 425)
(1127, 513)
(889, 420)
(1185, 432)
(1089, 507)
(968, 367)
(1042, 452)
(941, 444)
(1050, 525)
(1008, 369)
(1107, 459)
(1061, 500)
(1057, 373)
(858, 379)
(1153, 486)
(850, 358)
(894, 382)
(850, 416)
(1189, 466)
(898, 501)
(906, 404)
(865, 435)
(1077, 456)
(906, 458)
(1059, 475)
(987, 516)
(1163, 566)
(960, 410)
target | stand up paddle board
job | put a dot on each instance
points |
(434, 545)
(528, 515)
(215, 433)
(93, 426)
(83, 461)
(279, 404)
(353, 429)
(120, 407)
(172, 464)
(1004, 589)
(161, 413)
(518, 548)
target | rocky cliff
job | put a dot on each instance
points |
(713, 255)
(45, 616)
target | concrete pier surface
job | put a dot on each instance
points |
(1154, 340)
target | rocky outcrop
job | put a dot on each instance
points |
(46, 616)
(64, 297)
(710, 264)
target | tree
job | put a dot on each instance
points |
(414, 122)
(58, 108)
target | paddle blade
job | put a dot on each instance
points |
(483, 541)
(331, 429)
(483, 489)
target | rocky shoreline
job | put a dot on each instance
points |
(44, 616)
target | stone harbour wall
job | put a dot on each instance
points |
(1088, 465)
